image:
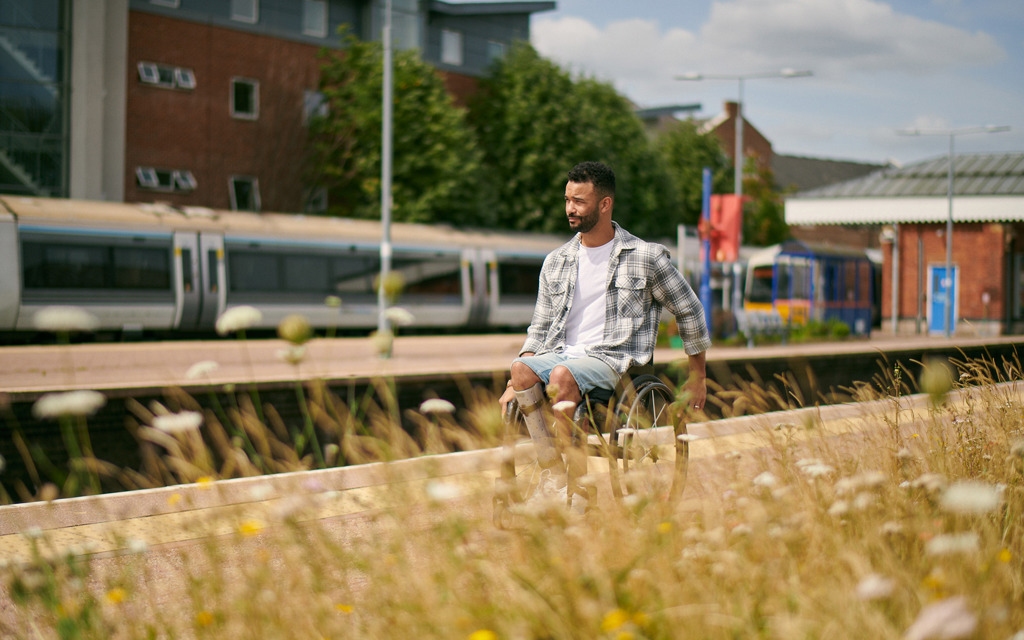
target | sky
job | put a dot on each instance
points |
(879, 66)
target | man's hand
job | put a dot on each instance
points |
(696, 387)
(507, 397)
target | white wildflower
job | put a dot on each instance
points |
(817, 470)
(929, 482)
(565, 406)
(687, 437)
(864, 500)
(201, 369)
(890, 527)
(947, 619)
(261, 492)
(839, 508)
(68, 403)
(733, 455)
(875, 587)
(742, 529)
(292, 354)
(904, 454)
(950, 543)
(439, 491)
(178, 422)
(381, 342)
(33, 533)
(626, 431)
(65, 319)
(436, 405)
(238, 319)
(970, 497)
(399, 316)
(137, 546)
(765, 479)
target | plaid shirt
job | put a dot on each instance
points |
(641, 282)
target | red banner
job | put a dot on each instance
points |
(726, 223)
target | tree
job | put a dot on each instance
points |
(686, 152)
(534, 122)
(436, 163)
(763, 214)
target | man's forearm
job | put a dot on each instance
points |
(698, 365)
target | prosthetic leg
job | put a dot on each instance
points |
(531, 403)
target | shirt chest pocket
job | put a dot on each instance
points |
(631, 295)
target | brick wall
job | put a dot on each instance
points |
(194, 129)
(978, 254)
(754, 144)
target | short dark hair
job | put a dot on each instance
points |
(598, 174)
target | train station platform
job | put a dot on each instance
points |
(137, 368)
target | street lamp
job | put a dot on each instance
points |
(784, 73)
(385, 177)
(952, 133)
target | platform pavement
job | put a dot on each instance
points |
(29, 371)
(125, 522)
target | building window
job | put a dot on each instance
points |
(314, 18)
(495, 51)
(165, 179)
(451, 47)
(245, 11)
(314, 105)
(166, 3)
(245, 193)
(166, 76)
(245, 98)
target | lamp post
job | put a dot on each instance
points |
(385, 177)
(952, 133)
(738, 159)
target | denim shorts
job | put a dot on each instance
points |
(588, 371)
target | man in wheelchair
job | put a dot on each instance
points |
(599, 301)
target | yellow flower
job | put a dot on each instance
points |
(174, 499)
(624, 635)
(344, 608)
(483, 634)
(206, 482)
(614, 619)
(250, 527)
(664, 527)
(204, 618)
(1005, 556)
(116, 595)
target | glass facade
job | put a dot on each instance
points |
(34, 74)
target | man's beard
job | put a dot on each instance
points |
(586, 222)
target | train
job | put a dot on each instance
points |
(803, 281)
(156, 270)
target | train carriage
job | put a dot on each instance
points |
(803, 282)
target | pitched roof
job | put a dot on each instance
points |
(800, 173)
(976, 175)
(987, 187)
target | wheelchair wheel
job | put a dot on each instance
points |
(649, 458)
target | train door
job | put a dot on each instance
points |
(186, 280)
(941, 293)
(213, 278)
(479, 289)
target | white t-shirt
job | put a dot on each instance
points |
(585, 324)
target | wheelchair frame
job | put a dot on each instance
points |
(635, 424)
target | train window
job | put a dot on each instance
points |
(783, 281)
(87, 266)
(801, 282)
(430, 276)
(186, 269)
(140, 268)
(761, 284)
(355, 273)
(306, 273)
(253, 271)
(518, 279)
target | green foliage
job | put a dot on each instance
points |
(534, 122)
(764, 220)
(435, 163)
(686, 152)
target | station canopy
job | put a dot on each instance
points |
(987, 188)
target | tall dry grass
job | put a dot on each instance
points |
(908, 527)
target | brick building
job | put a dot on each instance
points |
(910, 208)
(201, 102)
